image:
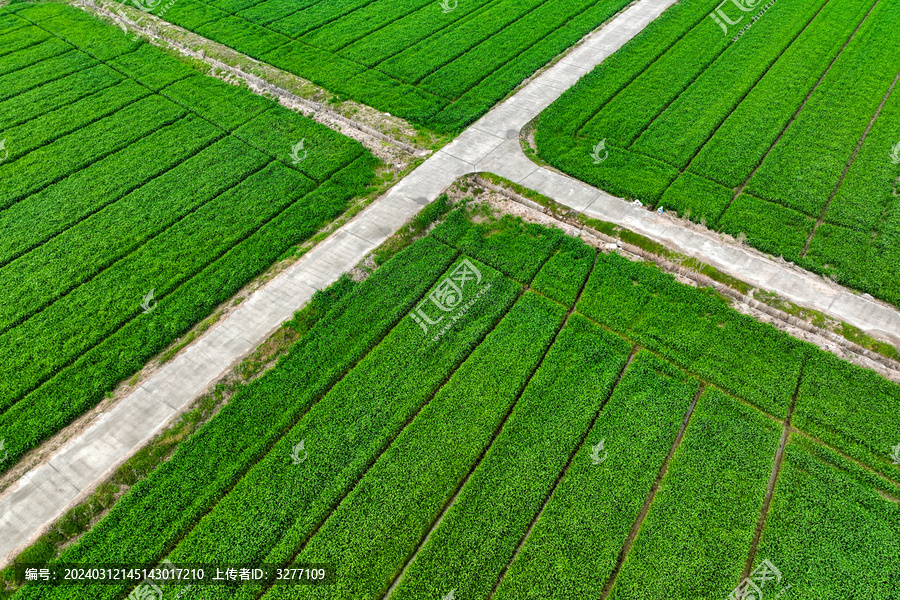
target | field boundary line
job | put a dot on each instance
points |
(651, 496)
(565, 470)
(319, 112)
(803, 104)
(773, 480)
(850, 162)
(120, 196)
(747, 93)
(449, 504)
(627, 84)
(124, 323)
(390, 443)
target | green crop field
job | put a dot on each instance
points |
(437, 63)
(491, 412)
(784, 128)
(135, 196)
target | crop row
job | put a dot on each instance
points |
(536, 442)
(27, 224)
(745, 137)
(418, 474)
(574, 544)
(832, 528)
(160, 509)
(515, 248)
(94, 245)
(704, 515)
(695, 330)
(74, 325)
(562, 277)
(392, 423)
(379, 54)
(345, 433)
(699, 110)
(803, 169)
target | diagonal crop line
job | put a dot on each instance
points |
(635, 528)
(640, 72)
(849, 164)
(88, 94)
(384, 449)
(176, 286)
(287, 428)
(100, 206)
(42, 83)
(563, 473)
(100, 116)
(490, 444)
(535, 42)
(803, 104)
(773, 479)
(750, 89)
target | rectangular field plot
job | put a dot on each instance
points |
(135, 196)
(783, 127)
(446, 430)
(437, 63)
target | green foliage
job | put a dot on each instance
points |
(509, 244)
(113, 186)
(695, 330)
(833, 528)
(563, 275)
(536, 442)
(704, 516)
(163, 507)
(688, 115)
(574, 544)
(415, 477)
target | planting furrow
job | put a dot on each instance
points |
(86, 250)
(159, 509)
(572, 547)
(832, 530)
(695, 330)
(26, 225)
(700, 109)
(416, 477)
(51, 163)
(80, 385)
(742, 142)
(804, 167)
(536, 442)
(564, 274)
(424, 58)
(58, 95)
(344, 434)
(704, 514)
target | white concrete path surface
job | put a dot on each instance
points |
(492, 145)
